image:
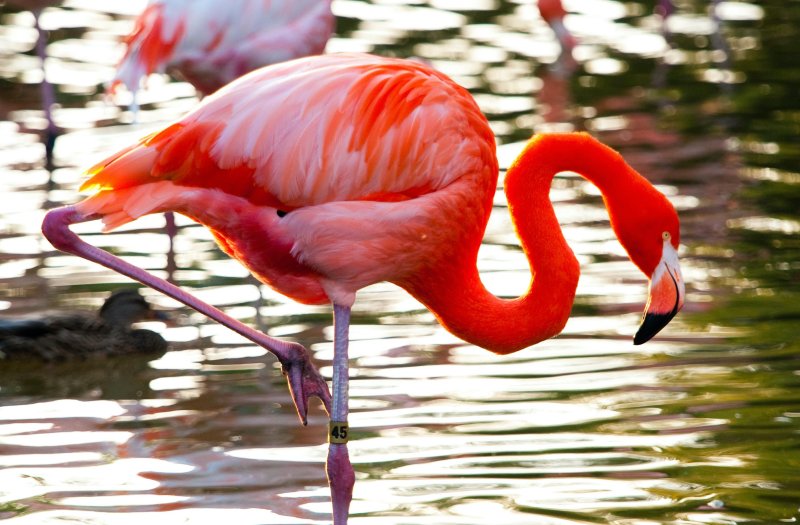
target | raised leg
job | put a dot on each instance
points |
(341, 477)
(304, 379)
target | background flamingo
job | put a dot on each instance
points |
(326, 174)
(209, 43)
(47, 92)
(553, 12)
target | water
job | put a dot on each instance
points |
(699, 426)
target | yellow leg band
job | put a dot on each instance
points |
(338, 432)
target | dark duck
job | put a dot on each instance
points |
(83, 335)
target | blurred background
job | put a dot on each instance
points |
(699, 426)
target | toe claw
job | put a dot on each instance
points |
(305, 382)
(299, 395)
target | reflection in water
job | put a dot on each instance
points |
(697, 427)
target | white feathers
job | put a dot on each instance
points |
(213, 42)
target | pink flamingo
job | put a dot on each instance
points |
(47, 93)
(210, 43)
(326, 174)
(553, 12)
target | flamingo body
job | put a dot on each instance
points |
(211, 43)
(318, 151)
(551, 10)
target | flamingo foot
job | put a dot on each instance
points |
(304, 379)
(341, 479)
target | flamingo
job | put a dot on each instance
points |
(553, 13)
(47, 93)
(326, 174)
(665, 9)
(210, 43)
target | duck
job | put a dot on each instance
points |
(65, 337)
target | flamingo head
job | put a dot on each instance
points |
(666, 293)
(648, 228)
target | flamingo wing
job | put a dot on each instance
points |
(333, 128)
(357, 148)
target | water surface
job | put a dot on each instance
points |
(699, 426)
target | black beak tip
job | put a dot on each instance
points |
(651, 325)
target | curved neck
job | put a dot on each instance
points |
(453, 290)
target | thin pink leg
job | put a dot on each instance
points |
(341, 476)
(47, 94)
(172, 230)
(304, 379)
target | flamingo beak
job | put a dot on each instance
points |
(665, 295)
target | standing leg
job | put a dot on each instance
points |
(259, 319)
(47, 94)
(341, 477)
(172, 230)
(134, 106)
(720, 44)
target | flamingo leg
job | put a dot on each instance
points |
(47, 94)
(134, 107)
(304, 379)
(718, 38)
(172, 230)
(341, 476)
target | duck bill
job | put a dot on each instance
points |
(665, 296)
